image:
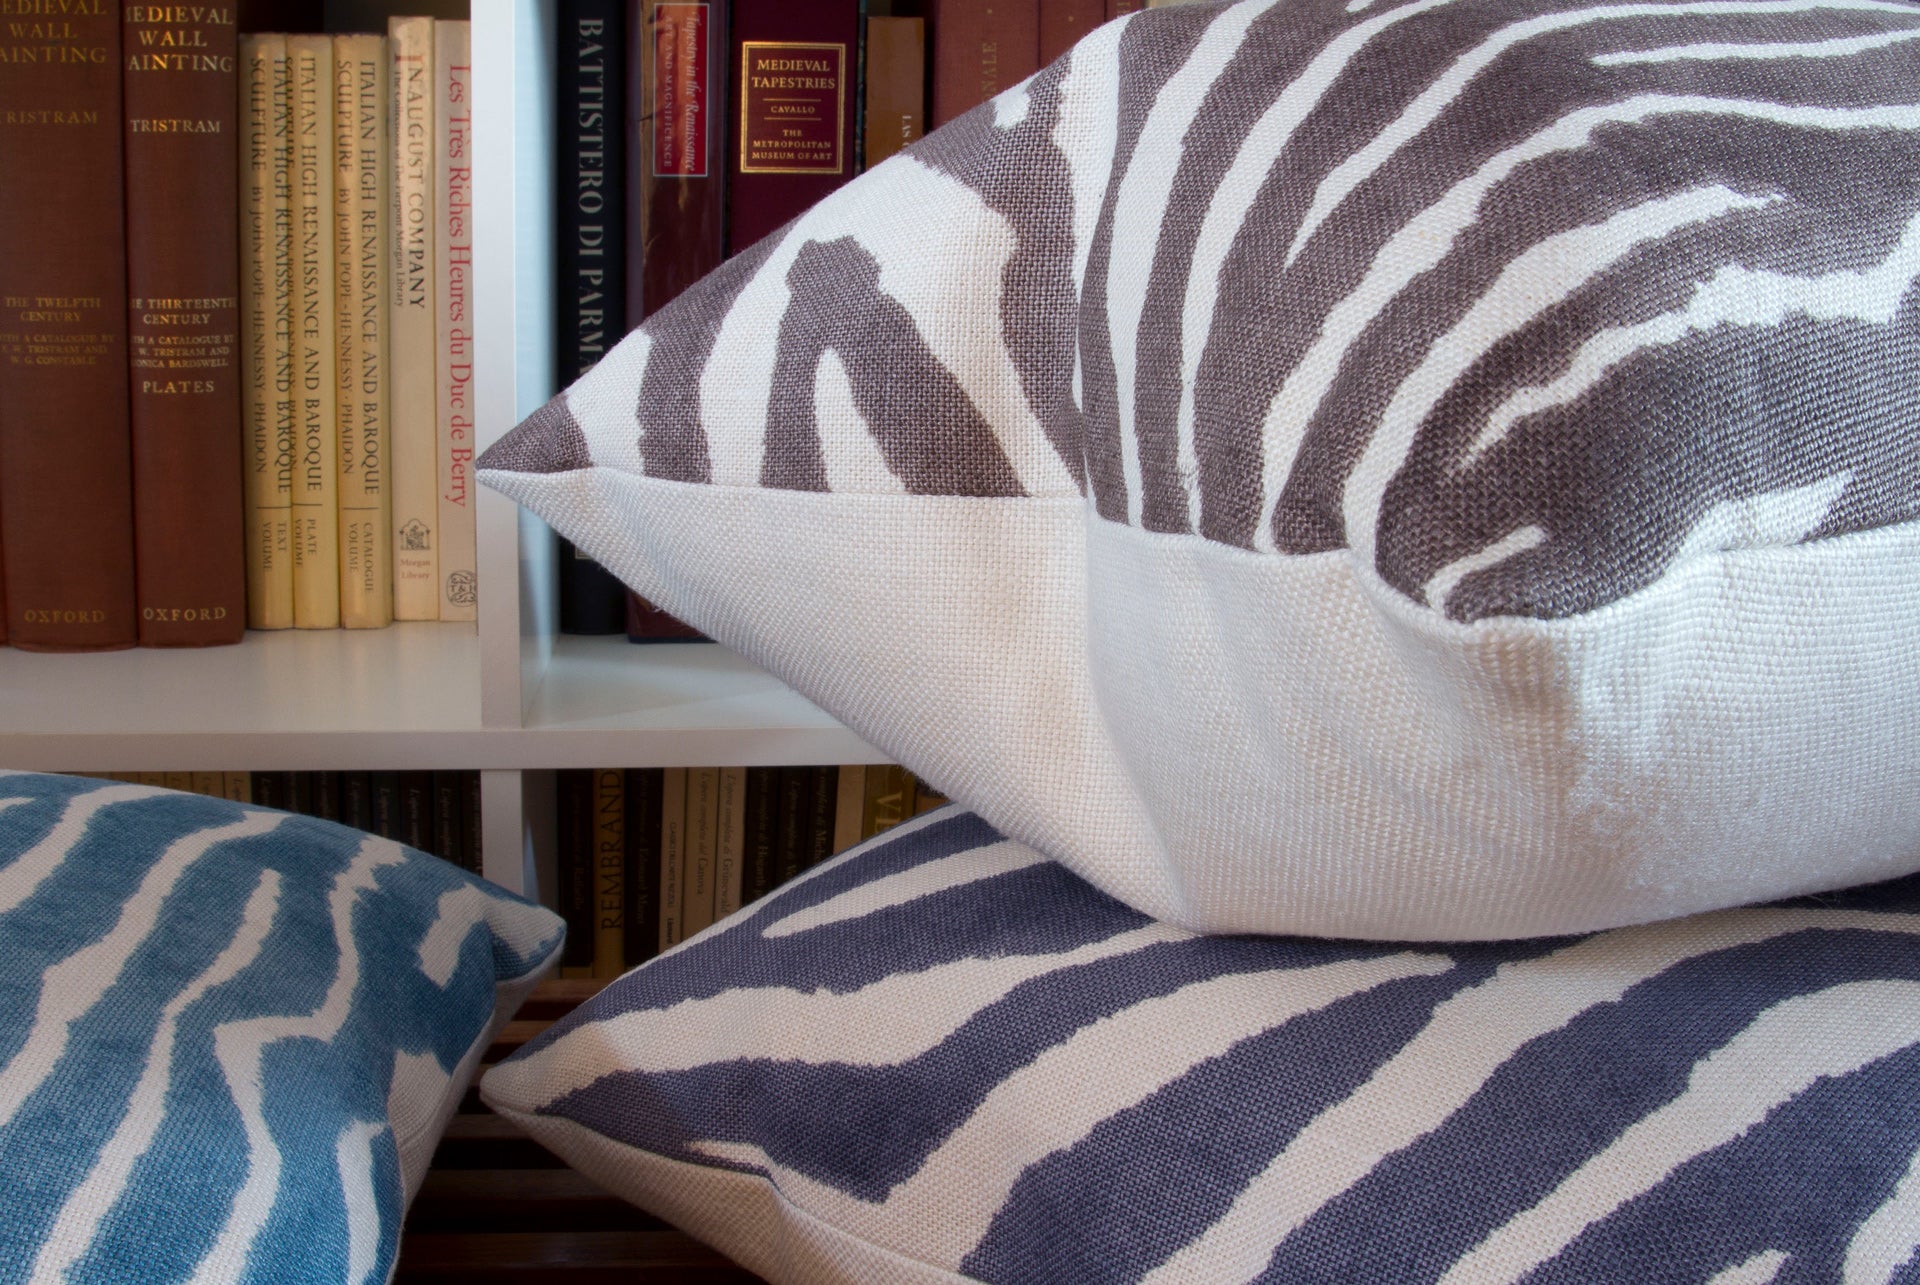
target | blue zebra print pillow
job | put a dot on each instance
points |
(943, 1057)
(1406, 469)
(230, 1038)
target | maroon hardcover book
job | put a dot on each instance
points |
(183, 323)
(677, 55)
(1115, 8)
(794, 98)
(65, 477)
(1063, 22)
(980, 47)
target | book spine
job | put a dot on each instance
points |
(980, 49)
(896, 86)
(416, 810)
(413, 324)
(645, 793)
(356, 800)
(573, 812)
(236, 787)
(1119, 8)
(609, 872)
(730, 841)
(360, 240)
(316, 489)
(265, 280)
(183, 322)
(792, 110)
(760, 833)
(449, 818)
(888, 799)
(677, 69)
(386, 804)
(647, 623)
(822, 815)
(703, 821)
(453, 284)
(795, 788)
(591, 190)
(591, 235)
(326, 795)
(850, 805)
(673, 856)
(65, 465)
(209, 784)
(272, 789)
(471, 825)
(1063, 22)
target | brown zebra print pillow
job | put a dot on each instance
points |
(1438, 469)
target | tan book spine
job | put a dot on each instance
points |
(362, 151)
(413, 322)
(265, 281)
(703, 820)
(316, 490)
(888, 801)
(237, 787)
(181, 781)
(210, 784)
(453, 282)
(896, 85)
(730, 841)
(849, 806)
(153, 778)
(609, 872)
(673, 856)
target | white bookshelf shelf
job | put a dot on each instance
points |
(280, 700)
(405, 697)
(605, 700)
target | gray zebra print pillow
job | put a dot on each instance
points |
(1441, 469)
(943, 1058)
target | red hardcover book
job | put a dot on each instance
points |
(677, 57)
(65, 475)
(980, 47)
(1063, 22)
(795, 64)
(183, 322)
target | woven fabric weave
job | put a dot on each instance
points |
(1437, 469)
(230, 1038)
(944, 1057)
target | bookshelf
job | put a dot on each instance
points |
(506, 695)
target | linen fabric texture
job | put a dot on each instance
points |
(945, 1057)
(230, 1038)
(1432, 470)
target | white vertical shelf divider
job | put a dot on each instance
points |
(512, 268)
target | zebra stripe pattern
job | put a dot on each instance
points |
(1523, 303)
(229, 1036)
(947, 1058)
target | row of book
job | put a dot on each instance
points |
(235, 327)
(649, 857)
(689, 131)
(437, 812)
